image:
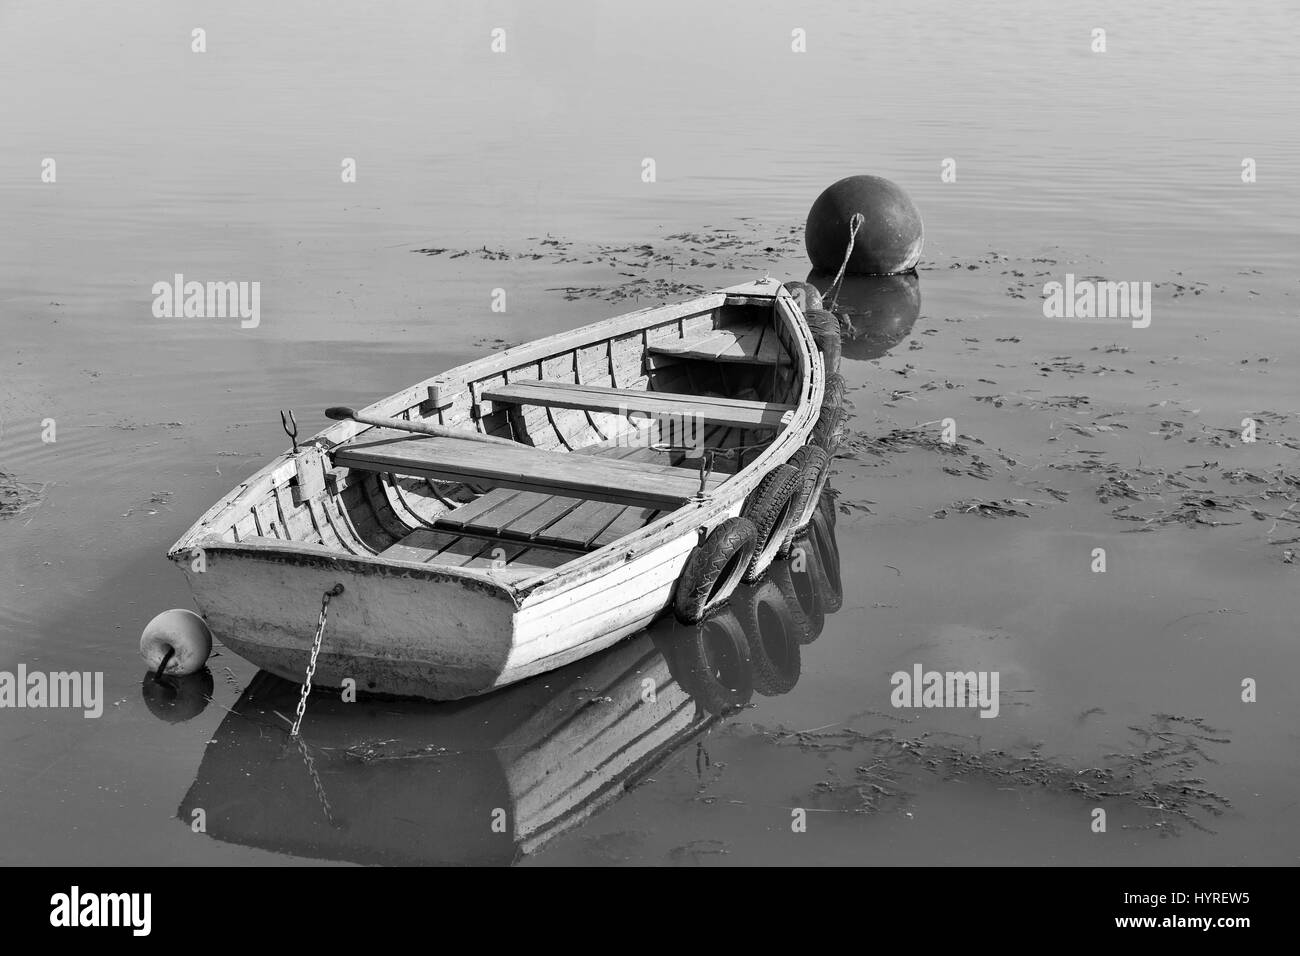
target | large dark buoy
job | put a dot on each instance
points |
(889, 239)
(875, 312)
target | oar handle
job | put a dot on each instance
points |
(341, 413)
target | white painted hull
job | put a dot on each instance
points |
(395, 631)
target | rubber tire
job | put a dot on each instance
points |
(846, 324)
(814, 465)
(826, 433)
(825, 328)
(822, 322)
(834, 393)
(771, 510)
(701, 589)
(774, 637)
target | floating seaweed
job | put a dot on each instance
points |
(18, 497)
(742, 247)
(1155, 774)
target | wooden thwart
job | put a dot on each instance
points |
(726, 411)
(756, 344)
(528, 469)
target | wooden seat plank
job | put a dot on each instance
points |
(625, 401)
(517, 518)
(527, 469)
(507, 513)
(744, 344)
(526, 514)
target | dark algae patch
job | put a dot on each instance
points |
(1153, 776)
(647, 271)
(18, 497)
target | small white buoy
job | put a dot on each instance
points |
(179, 638)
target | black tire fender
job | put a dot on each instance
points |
(813, 463)
(714, 569)
(771, 509)
(835, 391)
(822, 322)
(826, 433)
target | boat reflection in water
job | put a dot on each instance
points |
(876, 312)
(488, 780)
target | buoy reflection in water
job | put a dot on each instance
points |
(876, 312)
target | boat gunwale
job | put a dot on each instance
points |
(303, 555)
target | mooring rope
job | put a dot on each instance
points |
(315, 651)
(854, 225)
(158, 674)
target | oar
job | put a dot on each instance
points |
(341, 413)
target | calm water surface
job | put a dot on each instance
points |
(226, 165)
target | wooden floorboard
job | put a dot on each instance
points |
(496, 554)
(492, 510)
(549, 509)
(421, 545)
(452, 550)
(582, 525)
(630, 520)
(543, 518)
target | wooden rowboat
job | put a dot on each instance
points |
(468, 564)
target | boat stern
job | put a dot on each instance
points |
(397, 628)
